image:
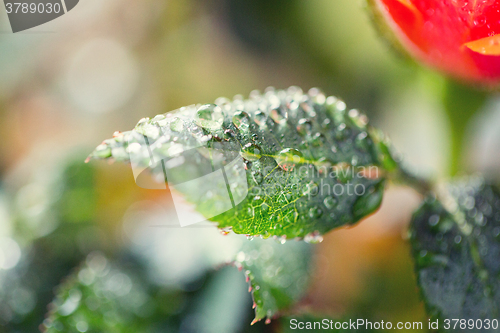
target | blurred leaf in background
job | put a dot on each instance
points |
(54, 225)
(455, 245)
(110, 296)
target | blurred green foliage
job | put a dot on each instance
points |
(27, 289)
(456, 252)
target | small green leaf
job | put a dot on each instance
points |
(457, 251)
(283, 163)
(278, 274)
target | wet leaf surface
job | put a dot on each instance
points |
(282, 163)
(457, 249)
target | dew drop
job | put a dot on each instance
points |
(229, 134)
(315, 212)
(293, 106)
(340, 105)
(251, 152)
(318, 140)
(260, 118)
(288, 158)
(209, 116)
(196, 131)
(177, 125)
(330, 202)
(433, 220)
(319, 99)
(301, 205)
(304, 127)
(103, 151)
(241, 120)
(361, 141)
(360, 120)
(278, 115)
(255, 94)
(313, 238)
(312, 189)
(331, 100)
(341, 132)
(314, 91)
(295, 91)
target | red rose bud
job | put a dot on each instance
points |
(458, 37)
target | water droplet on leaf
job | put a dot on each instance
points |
(209, 116)
(251, 152)
(315, 212)
(288, 158)
(330, 202)
(313, 237)
(304, 127)
(260, 118)
(241, 120)
(177, 125)
(433, 220)
(278, 115)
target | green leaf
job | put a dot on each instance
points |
(457, 251)
(293, 164)
(278, 274)
(104, 296)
